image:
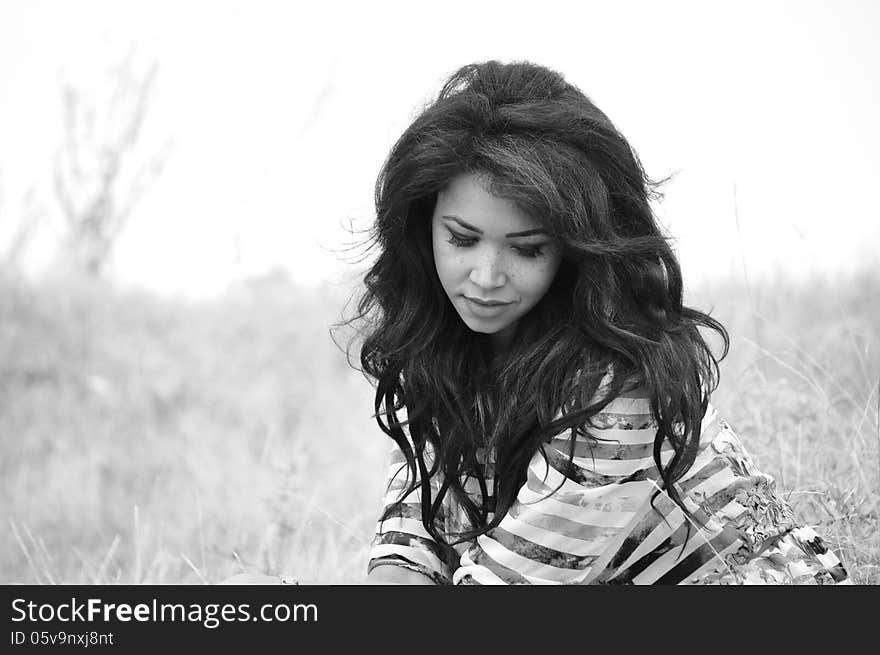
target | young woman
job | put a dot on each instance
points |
(546, 391)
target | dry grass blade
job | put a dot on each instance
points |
(138, 563)
(819, 390)
(89, 572)
(194, 568)
(24, 549)
(101, 575)
(812, 361)
(40, 554)
(47, 558)
(238, 561)
(201, 530)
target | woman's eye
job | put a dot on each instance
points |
(528, 251)
(460, 241)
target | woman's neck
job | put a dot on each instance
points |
(501, 342)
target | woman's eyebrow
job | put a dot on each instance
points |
(466, 225)
(463, 223)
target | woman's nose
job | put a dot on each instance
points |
(488, 271)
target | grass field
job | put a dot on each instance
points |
(150, 440)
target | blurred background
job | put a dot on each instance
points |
(181, 186)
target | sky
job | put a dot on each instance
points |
(276, 118)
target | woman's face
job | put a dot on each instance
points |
(494, 261)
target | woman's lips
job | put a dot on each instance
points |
(487, 303)
(486, 310)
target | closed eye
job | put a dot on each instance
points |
(528, 251)
(460, 241)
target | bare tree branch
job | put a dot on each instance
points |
(97, 182)
(33, 213)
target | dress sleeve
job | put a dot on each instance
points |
(401, 539)
(596, 520)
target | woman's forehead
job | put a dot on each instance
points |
(467, 198)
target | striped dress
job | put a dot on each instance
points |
(592, 521)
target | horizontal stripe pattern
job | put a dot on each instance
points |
(602, 518)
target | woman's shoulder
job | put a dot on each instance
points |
(632, 396)
(635, 398)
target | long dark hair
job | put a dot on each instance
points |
(615, 304)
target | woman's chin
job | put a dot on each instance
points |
(482, 327)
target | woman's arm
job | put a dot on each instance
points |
(252, 578)
(384, 575)
(402, 551)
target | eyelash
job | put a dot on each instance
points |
(529, 252)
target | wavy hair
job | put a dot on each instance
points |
(615, 304)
